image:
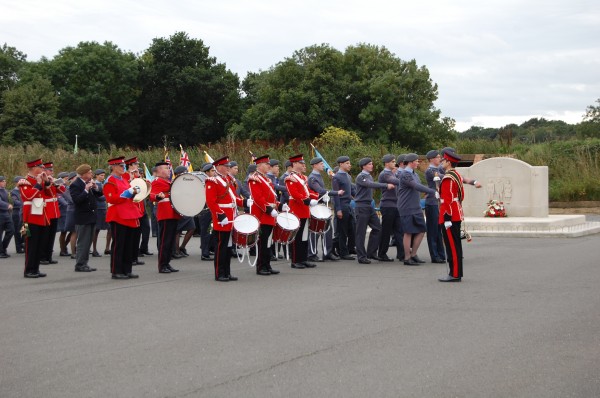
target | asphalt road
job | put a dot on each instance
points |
(524, 322)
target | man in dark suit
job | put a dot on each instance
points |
(84, 192)
(17, 217)
(7, 229)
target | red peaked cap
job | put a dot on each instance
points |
(297, 158)
(35, 163)
(451, 156)
(48, 165)
(222, 161)
(131, 160)
(117, 160)
(262, 159)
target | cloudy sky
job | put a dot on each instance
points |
(495, 62)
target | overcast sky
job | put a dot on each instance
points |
(495, 62)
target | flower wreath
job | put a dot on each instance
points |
(495, 208)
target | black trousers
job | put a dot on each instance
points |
(137, 238)
(345, 229)
(366, 216)
(454, 252)
(145, 225)
(299, 247)
(33, 246)
(204, 220)
(7, 230)
(390, 225)
(435, 242)
(222, 255)
(121, 248)
(49, 247)
(168, 230)
(264, 252)
(17, 221)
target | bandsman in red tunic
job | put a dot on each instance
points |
(133, 169)
(166, 216)
(123, 217)
(35, 217)
(300, 199)
(264, 208)
(50, 193)
(223, 202)
(451, 216)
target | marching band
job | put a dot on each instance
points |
(293, 211)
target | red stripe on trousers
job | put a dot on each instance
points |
(453, 272)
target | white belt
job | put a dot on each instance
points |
(27, 202)
(227, 205)
(454, 200)
(165, 200)
(50, 200)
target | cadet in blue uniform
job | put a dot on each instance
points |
(342, 181)
(390, 218)
(435, 242)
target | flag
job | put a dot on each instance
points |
(328, 168)
(149, 176)
(207, 158)
(184, 160)
(168, 160)
(75, 148)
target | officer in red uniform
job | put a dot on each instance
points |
(223, 202)
(51, 200)
(264, 208)
(123, 217)
(133, 168)
(301, 198)
(451, 216)
(35, 219)
(165, 214)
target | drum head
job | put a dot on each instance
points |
(288, 221)
(320, 212)
(188, 196)
(246, 223)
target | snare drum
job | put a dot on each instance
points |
(188, 194)
(245, 231)
(320, 219)
(286, 227)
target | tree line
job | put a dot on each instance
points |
(176, 91)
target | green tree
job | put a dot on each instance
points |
(11, 61)
(30, 114)
(186, 94)
(592, 113)
(97, 88)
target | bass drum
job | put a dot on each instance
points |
(188, 195)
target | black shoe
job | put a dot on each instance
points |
(263, 272)
(83, 268)
(96, 254)
(106, 251)
(280, 256)
(298, 265)
(21, 251)
(164, 270)
(314, 258)
(386, 259)
(46, 262)
(273, 258)
(273, 271)
(438, 261)
(309, 265)
(364, 261)
(147, 253)
(348, 257)
(119, 276)
(31, 275)
(206, 258)
(4, 255)
(232, 278)
(373, 258)
(132, 276)
(352, 252)
(183, 251)
(176, 256)
(73, 257)
(138, 262)
(449, 278)
(64, 254)
(172, 269)
(410, 261)
(222, 279)
(416, 259)
(41, 275)
(141, 255)
(331, 257)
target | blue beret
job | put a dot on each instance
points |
(233, 163)
(206, 167)
(315, 161)
(388, 158)
(432, 154)
(411, 157)
(273, 162)
(343, 159)
(364, 161)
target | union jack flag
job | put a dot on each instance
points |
(184, 160)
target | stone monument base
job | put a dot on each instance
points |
(569, 226)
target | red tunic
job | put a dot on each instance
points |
(28, 193)
(263, 193)
(451, 196)
(221, 200)
(164, 209)
(297, 186)
(120, 210)
(51, 199)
